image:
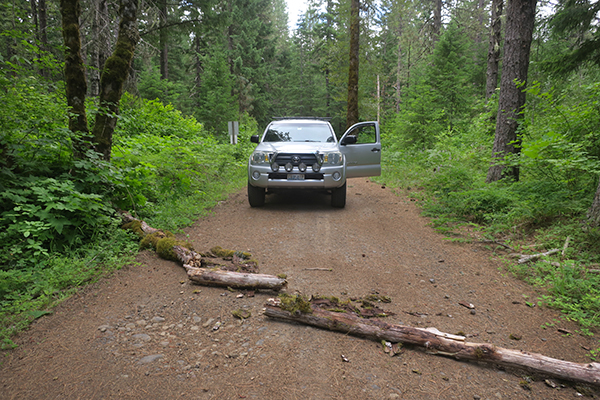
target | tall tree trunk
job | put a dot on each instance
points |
(163, 37)
(105, 39)
(399, 67)
(593, 213)
(34, 14)
(352, 112)
(198, 69)
(114, 74)
(38, 11)
(520, 20)
(76, 85)
(43, 18)
(437, 19)
(94, 60)
(330, 41)
(494, 48)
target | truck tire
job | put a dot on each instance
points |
(338, 196)
(256, 196)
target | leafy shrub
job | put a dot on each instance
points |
(153, 118)
(169, 178)
(42, 214)
(57, 225)
(569, 288)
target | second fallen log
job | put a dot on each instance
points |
(432, 340)
(236, 280)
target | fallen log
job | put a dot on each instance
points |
(226, 268)
(434, 342)
(236, 280)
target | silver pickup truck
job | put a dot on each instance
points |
(303, 153)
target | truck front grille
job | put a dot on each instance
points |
(284, 158)
(307, 177)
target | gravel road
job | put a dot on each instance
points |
(148, 333)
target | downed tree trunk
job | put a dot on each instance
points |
(218, 277)
(236, 280)
(436, 342)
(179, 251)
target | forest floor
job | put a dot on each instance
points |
(146, 332)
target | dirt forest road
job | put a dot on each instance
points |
(147, 333)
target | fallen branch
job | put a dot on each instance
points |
(498, 243)
(533, 257)
(318, 269)
(435, 342)
(566, 246)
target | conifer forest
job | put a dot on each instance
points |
(489, 113)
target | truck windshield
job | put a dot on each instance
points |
(286, 132)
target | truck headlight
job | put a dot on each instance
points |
(332, 158)
(260, 158)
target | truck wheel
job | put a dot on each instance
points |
(256, 196)
(338, 196)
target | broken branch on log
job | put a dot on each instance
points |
(438, 343)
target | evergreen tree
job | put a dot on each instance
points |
(447, 74)
(576, 23)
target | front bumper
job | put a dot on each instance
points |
(263, 176)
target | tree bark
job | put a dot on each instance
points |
(494, 48)
(520, 20)
(352, 112)
(95, 50)
(114, 74)
(76, 85)
(437, 19)
(439, 343)
(43, 18)
(593, 213)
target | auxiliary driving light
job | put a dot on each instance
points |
(302, 167)
(316, 167)
(275, 167)
(336, 176)
(256, 175)
(289, 167)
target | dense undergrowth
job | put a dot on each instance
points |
(59, 226)
(559, 175)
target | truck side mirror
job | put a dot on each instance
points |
(348, 140)
(254, 139)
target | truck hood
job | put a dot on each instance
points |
(297, 147)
